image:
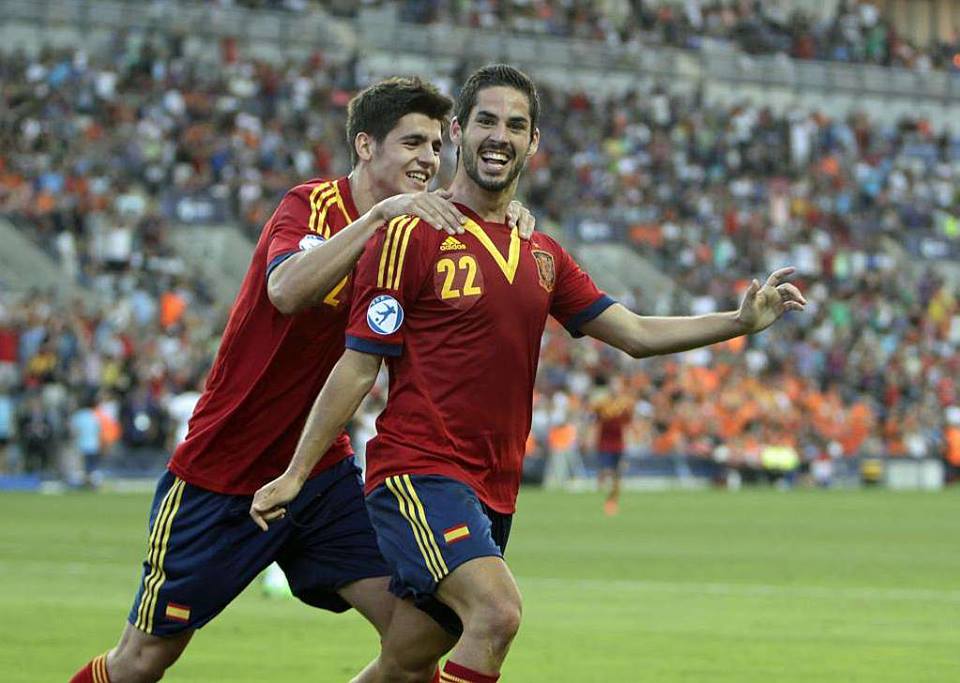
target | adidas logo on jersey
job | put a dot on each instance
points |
(452, 244)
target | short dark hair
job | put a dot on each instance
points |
(377, 109)
(491, 76)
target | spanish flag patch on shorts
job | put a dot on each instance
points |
(456, 533)
(177, 612)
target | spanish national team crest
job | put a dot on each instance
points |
(384, 315)
(546, 271)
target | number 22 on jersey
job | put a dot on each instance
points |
(458, 277)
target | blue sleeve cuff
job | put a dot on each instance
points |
(374, 348)
(586, 315)
(278, 259)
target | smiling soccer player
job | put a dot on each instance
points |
(284, 335)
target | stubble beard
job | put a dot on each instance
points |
(471, 166)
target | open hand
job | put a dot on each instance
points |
(433, 207)
(519, 217)
(763, 305)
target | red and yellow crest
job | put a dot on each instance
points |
(546, 271)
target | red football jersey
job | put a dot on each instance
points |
(613, 416)
(460, 320)
(270, 366)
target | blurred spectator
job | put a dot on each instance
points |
(141, 420)
(36, 435)
(6, 423)
(180, 407)
(87, 436)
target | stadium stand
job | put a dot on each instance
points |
(108, 157)
(853, 32)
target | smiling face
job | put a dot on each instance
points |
(496, 140)
(406, 160)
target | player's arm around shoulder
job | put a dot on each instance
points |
(303, 278)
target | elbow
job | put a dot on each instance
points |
(639, 351)
(636, 347)
(282, 298)
(637, 340)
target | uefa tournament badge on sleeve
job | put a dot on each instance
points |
(384, 315)
(310, 241)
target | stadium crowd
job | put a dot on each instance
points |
(94, 148)
(856, 32)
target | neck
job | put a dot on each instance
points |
(489, 205)
(362, 190)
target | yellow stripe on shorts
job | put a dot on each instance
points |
(418, 522)
(159, 539)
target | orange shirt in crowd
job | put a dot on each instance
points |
(172, 307)
(952, 437)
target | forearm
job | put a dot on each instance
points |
(643, 336)
(656, 336)
(304, 280)
(351, 379)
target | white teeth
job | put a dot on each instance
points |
(419, 177)
(495, 157)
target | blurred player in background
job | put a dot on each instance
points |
(284, 334)
(612, 411)
(460, 320)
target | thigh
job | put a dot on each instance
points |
(373, 599)
(333, 545)
(482, 581)
(427, 526)
(203, 550)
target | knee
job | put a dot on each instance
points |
(497, 620)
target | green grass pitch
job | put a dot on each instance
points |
(681, 586)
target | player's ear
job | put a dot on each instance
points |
(534, 143)
(363, 144)
(456, 133)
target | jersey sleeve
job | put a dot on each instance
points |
(387, 280)
(291, 229)
(576, 299)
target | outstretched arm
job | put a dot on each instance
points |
(351, 379)
(643, 336)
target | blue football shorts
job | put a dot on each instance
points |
(427, 526)
(609, 460)
(204, 549)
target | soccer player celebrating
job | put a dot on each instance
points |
(284, 335)
(459, 320)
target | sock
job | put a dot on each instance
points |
(454, 673)
(95, 671)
